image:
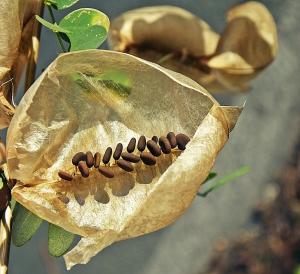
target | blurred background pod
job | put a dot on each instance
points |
(227, 62)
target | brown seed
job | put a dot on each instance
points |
(148, 158)
(106, 171)
(63, 198)
(165, 145)
(107, 155)
(97, 158)
(83, 168)
(182, 140)
(65, 175)
(89, 159)
(141, 143)
(155, 139)
(130, 157)
(172, 139)
(79, 156)
(131, 145)
(154, 148)
(118, 151)
(125, 165)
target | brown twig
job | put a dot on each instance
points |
(5, 237)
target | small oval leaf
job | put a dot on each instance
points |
(87, 28)
(53, 27)
(61, 4)
(59, 240)
(24, 226)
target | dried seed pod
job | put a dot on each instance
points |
(83, 168)
(97, 159)
(155, 139)
(106, 171)
(125, 165)
(79, 156)
(118, 151)
(141, 143)
(182, 140)
(130, 157)
(131, 145)
(5, 196)
(89, 159)
(172, 139)
(165, 145)
(154, 148)
(65, 175)
(148, 158)
(107, 155)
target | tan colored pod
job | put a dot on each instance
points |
(164, 28)
(86, 106)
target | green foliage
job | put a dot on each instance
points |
(25, 225)
(61, 4)
(86, 28)
(59, 240)
(297, 270)
(210, 177)
(226, 179)
(54, 27)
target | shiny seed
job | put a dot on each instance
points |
(118, 151)
(130, 157)
(107, 155)
(182, 140)
(106, 171)
(83, 168)
(89, 159)
(79, 156)
(125, 165)
(97, 158)
(141, 143)
(155, 139)
(148, 158)
(65, 175)
(131, 145)
(165, 145)
(172, 139)
(154, 148)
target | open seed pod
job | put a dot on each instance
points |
(95, 99)
(180, 41)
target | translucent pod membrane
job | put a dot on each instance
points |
(90, 101)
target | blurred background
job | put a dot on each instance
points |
(264, 139)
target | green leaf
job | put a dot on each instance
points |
(61, 4)
(59, 240)
(210, 177)
(54, 27)
(226, 179)
(87, 28)
(297, 270)
(24, 226)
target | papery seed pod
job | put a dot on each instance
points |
(130, 157)
(141, 143)
(182, 140)
(155, 139)
(83, 168)
(118, 151)
(172, 139)
(65, 175)
(154, 148)
(107, 155)
(97, 159)
(165, 145)
(89, 159)
(131, 145)
(148, 158)
(79, 156)
(125, 165)
(106, 171)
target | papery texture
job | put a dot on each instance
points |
(90, 100)
(247, 45)
(17, 25)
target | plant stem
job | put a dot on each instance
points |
(5, 238)
(57, 34)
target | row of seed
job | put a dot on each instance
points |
(84, 161)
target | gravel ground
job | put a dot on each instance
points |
(263, 139)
